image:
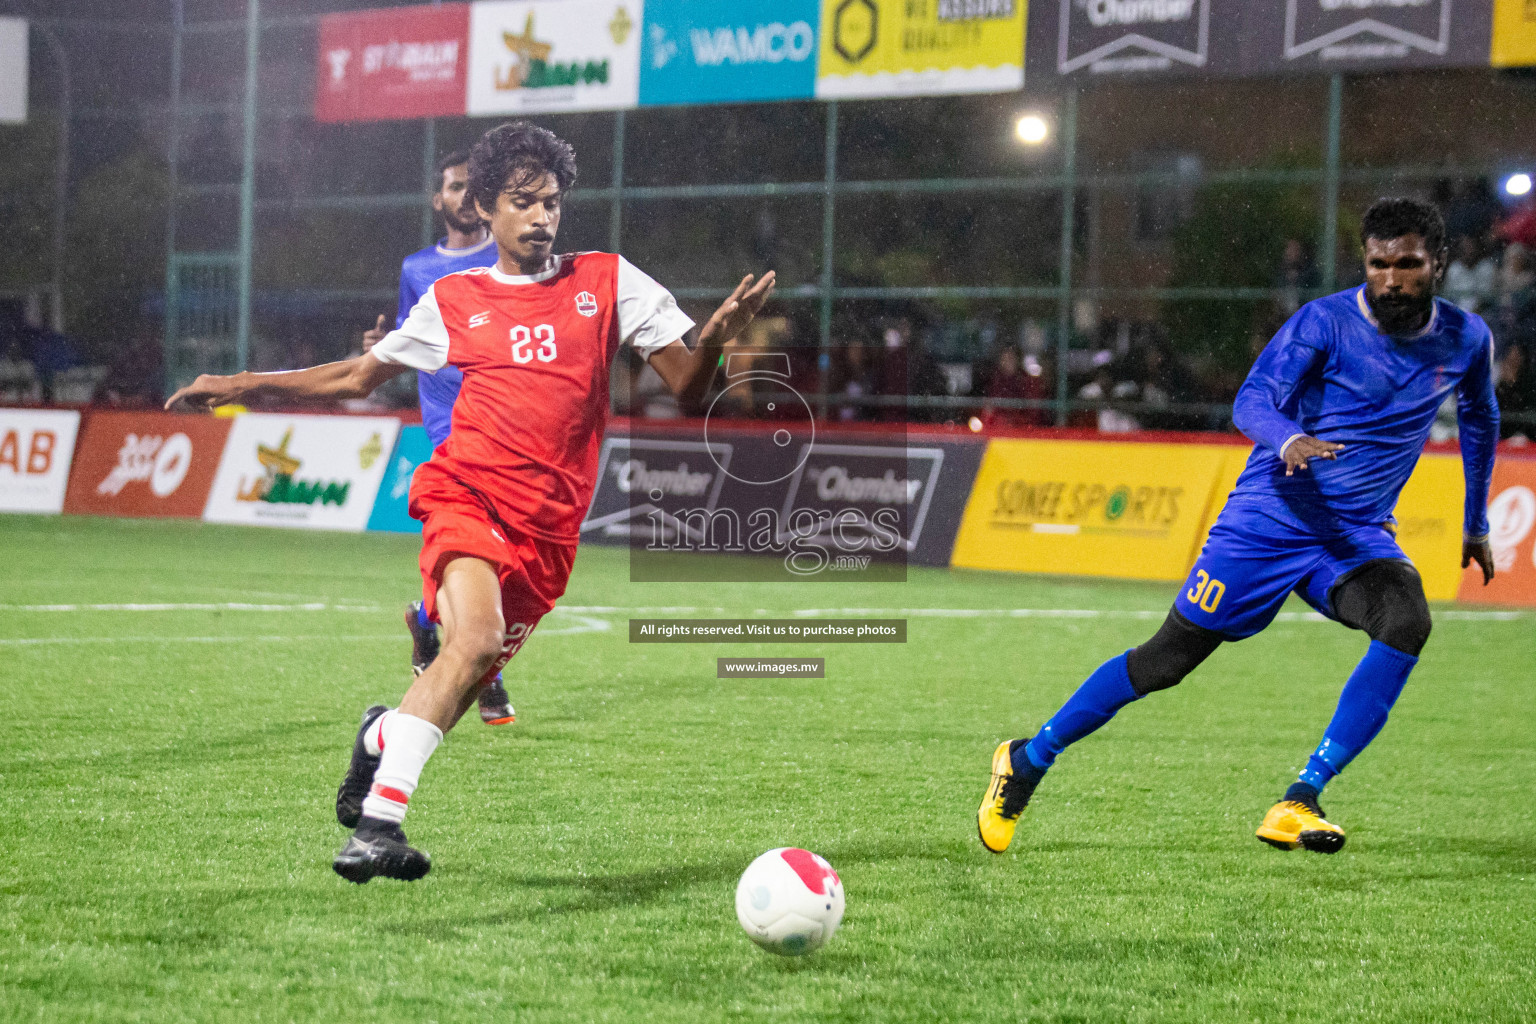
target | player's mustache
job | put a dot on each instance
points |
(538, 236)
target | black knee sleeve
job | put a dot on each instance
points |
(1386, 600)
(1172, 653)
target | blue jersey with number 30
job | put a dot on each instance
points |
(1332, 374)
(438, 391)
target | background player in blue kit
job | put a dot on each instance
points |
(1339, 406)
(467, 244)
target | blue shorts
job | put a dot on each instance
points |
(1251, 562)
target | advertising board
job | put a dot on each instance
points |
(390, 509)
(1514, 33)
(1512, 535)
(1365, 35)
(544, 56)
(145, 464)
(886, 498)
(873, 48)
(13, 70)
(401, 62)
(1110, 37)
(1087, 508)
(36, 449)
(305, 472)
(1237, 38)
(728, 51)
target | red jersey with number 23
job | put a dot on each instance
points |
(535, 351)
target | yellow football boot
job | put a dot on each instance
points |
(1299, 822)
(1006, 799)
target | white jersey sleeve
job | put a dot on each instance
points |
(648, 315)
(421, 342)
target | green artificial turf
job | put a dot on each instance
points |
(167, 777)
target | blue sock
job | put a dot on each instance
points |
(421, 616)
(1095, 702)
(1370, 693)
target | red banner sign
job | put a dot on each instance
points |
(145, 464)
(1512, 533)
(392, 64)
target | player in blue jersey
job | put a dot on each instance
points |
(1339, 406)
(467, 244)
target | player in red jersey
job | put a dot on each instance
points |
(501, 501)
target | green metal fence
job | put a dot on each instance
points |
(209, 296)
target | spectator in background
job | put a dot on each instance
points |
(1514, 321)
(1519, 228)
(1162, 379)
(1515, 275)
(908, 369)
(49, 352)
(135, 378)
(1298, 276)
(748, 353)
(857, 378)
(1471, 281)
(1015, 379)
(1516, 389)
(1471, 211)
(1102, 388)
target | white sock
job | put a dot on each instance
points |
(378, 733)
(410, 742)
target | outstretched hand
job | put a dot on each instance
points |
(207, 392)
(1300, 452)
(738, 310)
(1481, 552)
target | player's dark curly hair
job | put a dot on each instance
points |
(514, 156)
(454, 159)
(1396, 217)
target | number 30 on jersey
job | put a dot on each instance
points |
(1206, 594)
(542, 335)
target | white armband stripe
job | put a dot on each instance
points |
(649, 318)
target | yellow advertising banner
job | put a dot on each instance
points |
(1429, 513)
(1514, 33)
(920, 47)
(1142, 511)
(1089, 508)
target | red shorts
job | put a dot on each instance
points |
(533, 571)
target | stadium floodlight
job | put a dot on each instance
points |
(1517, 184)
(1031, 129)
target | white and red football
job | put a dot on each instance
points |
(789, 901)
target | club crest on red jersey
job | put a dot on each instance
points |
(586, 304)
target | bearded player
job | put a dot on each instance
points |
(467, 244)
(502, 500)
(1339, 406)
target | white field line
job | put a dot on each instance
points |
(994, 613)
(582, 624)
(589, 621)
(31, 641)
(220, 606)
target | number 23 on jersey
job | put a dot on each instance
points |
(522, 339)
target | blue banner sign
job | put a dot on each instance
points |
(389, 508)
(728, 51)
